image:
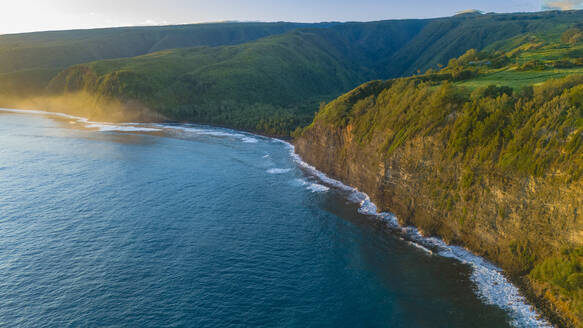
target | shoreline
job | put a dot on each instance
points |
(500, 289)
(517, 298)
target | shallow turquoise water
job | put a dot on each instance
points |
(201, 227)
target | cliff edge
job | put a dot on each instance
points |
(499, 174)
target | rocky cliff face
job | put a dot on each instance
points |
(494, 215)
(511, 220)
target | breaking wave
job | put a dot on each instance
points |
(143, 127)
(213, 132)
(278, 171)
(316, 187)
(103, 127)
(313, 187)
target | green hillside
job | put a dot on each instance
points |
(28, 61)
(239, 75)
(273, 85)
(443, 39)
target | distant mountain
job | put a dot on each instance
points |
(273, 85)
(30, 60)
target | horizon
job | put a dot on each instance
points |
(282, 21)
(65, 15)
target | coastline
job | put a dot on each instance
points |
(501, 217)
(493, 285)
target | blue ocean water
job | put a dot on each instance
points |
(188, 226)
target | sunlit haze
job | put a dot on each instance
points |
(32, 15)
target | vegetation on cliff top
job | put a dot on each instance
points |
(532, 124)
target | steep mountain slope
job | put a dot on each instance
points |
(273, 85)
(443, 39)
(37, 57)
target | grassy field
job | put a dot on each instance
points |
(517, 79)
(529, 60)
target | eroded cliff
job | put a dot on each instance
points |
(396, 141)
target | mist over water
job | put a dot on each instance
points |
(201, 227)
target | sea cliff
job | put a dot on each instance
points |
(517, 218)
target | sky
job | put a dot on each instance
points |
(40, 15)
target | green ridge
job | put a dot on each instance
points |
(273, 85)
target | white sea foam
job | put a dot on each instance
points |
(144, 127)
(213, 132)
(119, 128)
(367, 207)
(313, 171)
(313, 187)
(100, 126)
(201, 131)
(492, 286)
(316, 187)
(41, 112)
(77, 118)
(278, 171)
(421, 247)
(249, 140)
(300, 182)
(23, 111)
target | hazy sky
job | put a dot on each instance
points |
(35, 15)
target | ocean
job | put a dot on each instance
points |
(174, 225)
